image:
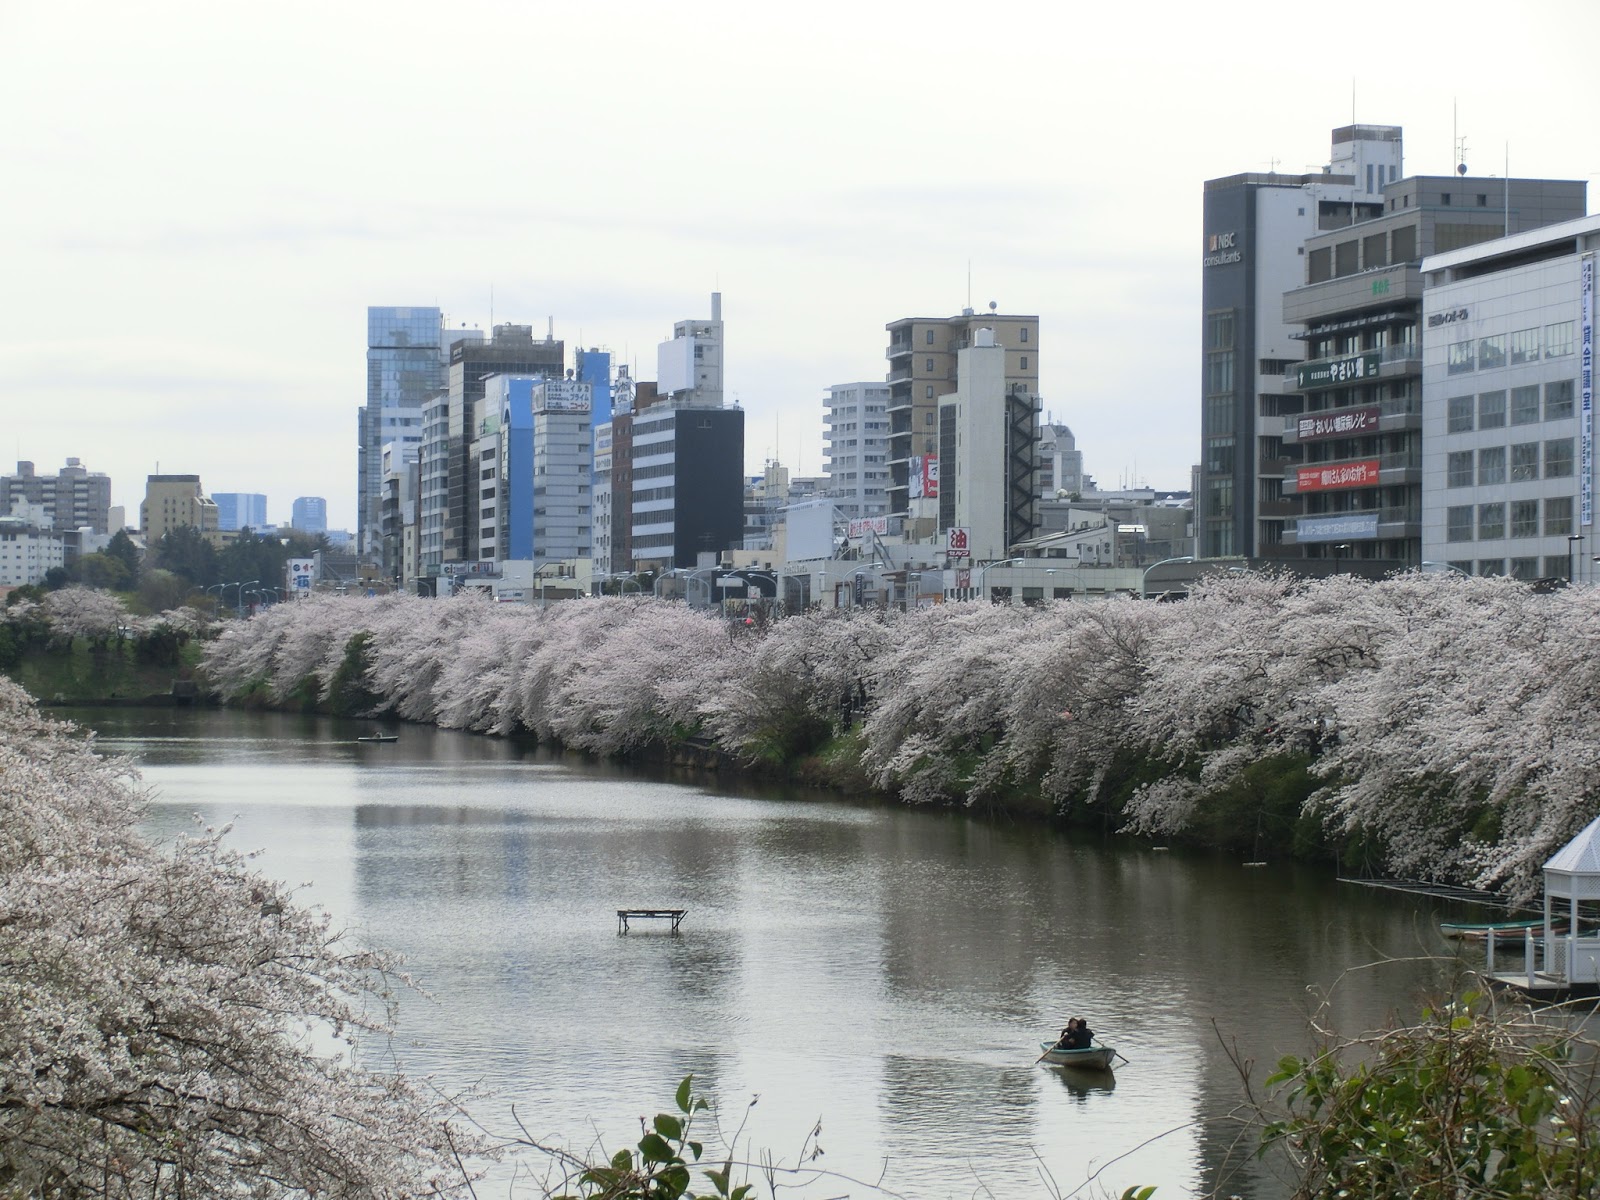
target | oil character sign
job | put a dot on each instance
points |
(958, 542)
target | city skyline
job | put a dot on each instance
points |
(220, 209)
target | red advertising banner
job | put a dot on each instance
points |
(1350, 423)
(1330, 476)
(930, 476)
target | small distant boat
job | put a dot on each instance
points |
(1095, 1058)
(1481, 932)
(379, 737)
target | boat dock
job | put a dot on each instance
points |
(675, 915)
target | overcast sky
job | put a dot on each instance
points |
(199, 201)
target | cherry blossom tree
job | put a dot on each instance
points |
(172, 1023)
(76, 612)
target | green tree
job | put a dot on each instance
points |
(160, 591)
(185, 551)
(250, 556)
(101, 570)
(122, 549)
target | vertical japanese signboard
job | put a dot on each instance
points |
(1586, 378)
(958, 542)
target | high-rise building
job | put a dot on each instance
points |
(1255, 228)
(922, 367)
(1508, 465)
(73, 498)
(405, 366)
(688, 484)
(450, 518)
(310, 514)
(171, 501)
(988, 451)
(1348, 456)
(240, 510)
(1060, 463)
(535, 470)
(856, 446)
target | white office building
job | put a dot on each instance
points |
(856, 446)
(1508, 479)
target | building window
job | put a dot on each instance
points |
(1557, 516)
(1558, 339)
(1491, 521)
(1024, 333)
(1459, 470)
(1460, 360)
(1524, 518)
(928, 364)
(1459, 418)
(1491, 566)
(1024, 367)
(1524, 461)
(1525, 568)
(1492, 410)
(1557, 458)
(1491, 465)
(1558, 400)
(1445, 199)
(1525, 405)
(1525, 346)
(1458, 523)
(1491, 353)
(930, 337)
(929, 393)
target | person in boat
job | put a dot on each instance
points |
(1075, 1036)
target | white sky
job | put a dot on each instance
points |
(199, 201)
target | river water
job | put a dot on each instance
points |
(886, 972)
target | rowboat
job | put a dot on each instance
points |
(1095, 1058)
(1480, 932)
(379, 737)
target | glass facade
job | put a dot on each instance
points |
(405, 366)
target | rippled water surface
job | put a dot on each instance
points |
(886, 972)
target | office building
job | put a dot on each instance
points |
(172, 501)
(29, 547)
(240, 510)
(1254, 228)
(922, 367)
(535, 471)
(1350, 451)
(405, 366)
(688, 484)
(401, 480)
(1508, 464)
(450, 517)
(73, 498)
(856, 447)
(988, 446)
(1060, 463)
(309, 514)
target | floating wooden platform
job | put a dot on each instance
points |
(675, 915)
(1544, 989)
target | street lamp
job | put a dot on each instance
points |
(1572, 555)
(1144, 584)
(984, 570)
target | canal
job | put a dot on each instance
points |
(884, 971)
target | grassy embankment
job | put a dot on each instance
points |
(85, 675)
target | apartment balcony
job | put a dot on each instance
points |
(897, 349)
(900, 373)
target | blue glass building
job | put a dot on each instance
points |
(406, 364)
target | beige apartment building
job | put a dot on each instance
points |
(174, 500)
(922, 367)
